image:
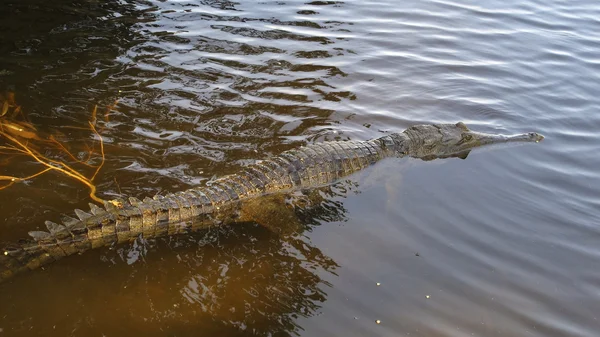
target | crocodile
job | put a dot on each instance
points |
(219, 201)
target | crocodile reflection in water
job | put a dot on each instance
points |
(225, 281)
(223, 200)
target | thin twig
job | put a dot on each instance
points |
(101, 150)
(66, 170)
(118, 187)
(62, 147)
(93, 120)
(16, 179)
(20, 134)
(10, 183)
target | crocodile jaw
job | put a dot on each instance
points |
(448, 140)
(481, 139)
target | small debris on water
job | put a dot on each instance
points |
(417, 254)
(427, 296)
(378, 321)
(116, 203)
(5, 253)
(378, 284)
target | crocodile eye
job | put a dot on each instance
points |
(467, 137)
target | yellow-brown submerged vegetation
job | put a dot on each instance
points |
(19, 137)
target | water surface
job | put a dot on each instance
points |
(503, 243)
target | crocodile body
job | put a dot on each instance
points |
(218, 202)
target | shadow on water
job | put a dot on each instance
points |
(244, 279)
(239, 280)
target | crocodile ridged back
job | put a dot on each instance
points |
(200, 207)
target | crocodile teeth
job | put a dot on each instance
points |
(69, 221)
(158, 197)
(95, 209)
(134, 201)
(146, 199)
(55, 228)
(39, 235)
(82, 215)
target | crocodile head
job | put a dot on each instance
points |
(453, 140)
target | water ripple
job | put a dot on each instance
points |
(506, 239)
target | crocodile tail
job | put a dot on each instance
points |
(218, 202)
(44, 247)
(119, 221)
(92, 229)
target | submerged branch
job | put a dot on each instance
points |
(52, 165)
(21, 136)
(12, 180)
(101, 150)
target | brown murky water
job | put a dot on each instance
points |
(504, 243)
